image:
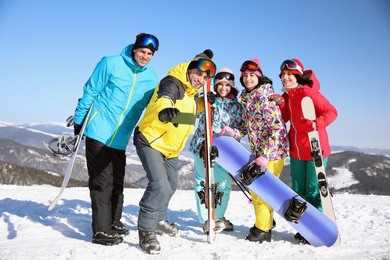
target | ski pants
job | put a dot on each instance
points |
(106, 169)
(225, 186)
(304, 180)
(162, 176)
(263, 212)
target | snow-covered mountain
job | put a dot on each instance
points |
(348, 171)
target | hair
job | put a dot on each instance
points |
(303, 80)
(262, 81)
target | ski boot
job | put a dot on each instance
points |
(301, 239)
(228, 225)
(148, 242)
(164, 227)
(107, 238)
(219, 226)
(258, 235)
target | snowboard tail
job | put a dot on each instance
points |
(312, 224)
(69, 168)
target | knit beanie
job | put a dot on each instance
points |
(293, 71)
(206, 55)
(138, 43)
(224, 79)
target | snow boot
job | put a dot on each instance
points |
(219, 226)
(301, 239)
(228, 225)
(148, 242)
(258, 235)
(119, 228)
(164, 227)
(107, 238)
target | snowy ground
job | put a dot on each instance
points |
(29, 231)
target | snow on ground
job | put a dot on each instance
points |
(29, 231)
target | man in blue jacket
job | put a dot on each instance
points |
(118, 90)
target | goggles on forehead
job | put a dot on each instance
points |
(226, 75)
(206, 66)
(251, 66)
(148, 40)
(291, 65)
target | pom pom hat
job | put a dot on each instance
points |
(203, 62)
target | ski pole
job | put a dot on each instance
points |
(242, 187)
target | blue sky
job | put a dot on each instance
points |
(48, 49)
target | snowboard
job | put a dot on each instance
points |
(69, 168)
(309, 112)
(209, 187)
(312, 224)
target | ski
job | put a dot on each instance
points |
(69, 168)
(309, 112)
(210, 187)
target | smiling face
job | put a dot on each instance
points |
(223, 89)
(288, 78)
(197, 78)
(250, 80)
(142, 56)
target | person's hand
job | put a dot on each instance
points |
(261, 161)
(168, 113)
(279, 100)
(77, 128)
(211, 97)
(227, 131)
(320, 123)
(307, 125)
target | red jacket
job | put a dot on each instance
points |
(299, 142)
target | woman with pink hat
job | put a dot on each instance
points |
(262, 123)
(297, 84)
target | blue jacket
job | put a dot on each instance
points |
(119, 90)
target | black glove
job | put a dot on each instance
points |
(211, 97)
(167, 114)
(77, 129)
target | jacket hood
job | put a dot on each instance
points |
(126, 54)
(310, 74)
(180, 72)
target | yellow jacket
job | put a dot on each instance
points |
(173, 91)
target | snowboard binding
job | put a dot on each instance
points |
(251, 173)
(295, 211)
(65, 145)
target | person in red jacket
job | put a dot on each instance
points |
(297, 84)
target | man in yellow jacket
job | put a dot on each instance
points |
(159, 142)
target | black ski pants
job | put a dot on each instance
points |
(106, 169)
(162, 176)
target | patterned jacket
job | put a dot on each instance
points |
(224, 112)
(263, 124)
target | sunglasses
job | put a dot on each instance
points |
(251, 66)
(207, 66)
(148, 40)
(291, 65)
(226, 75)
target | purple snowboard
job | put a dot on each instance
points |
(313, 225)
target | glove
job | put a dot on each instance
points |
(320, 123)
(227, 131)
(168, 113)
(77, 129)
(261, 161)
(307, 125)
(279, 100)
(211, 97)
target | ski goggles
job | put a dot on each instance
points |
(291, 65)
(149, 41)
(251, 66)
(206, 66)
(226, 75)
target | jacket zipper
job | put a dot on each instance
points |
(296, 132)
(127, 105)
